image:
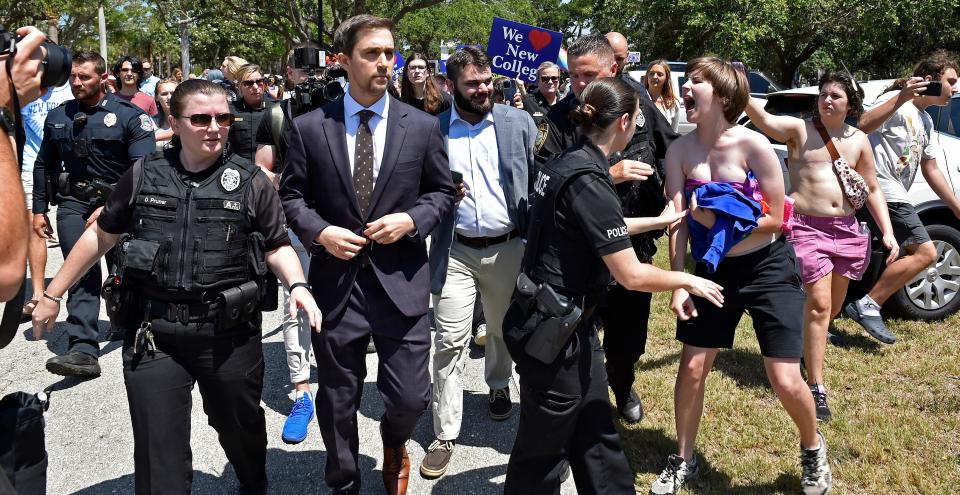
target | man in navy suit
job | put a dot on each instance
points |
(366, 180)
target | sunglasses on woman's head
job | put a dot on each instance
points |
(204, 119)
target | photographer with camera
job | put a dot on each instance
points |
(21, 75)
(87, 145)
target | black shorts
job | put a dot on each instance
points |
(766, 284)
(907, 227)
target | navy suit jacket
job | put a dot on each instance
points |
(516, 133)
(317, 191)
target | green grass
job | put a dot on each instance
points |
(896, 412)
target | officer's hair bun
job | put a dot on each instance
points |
(583, 114)
(603, 101)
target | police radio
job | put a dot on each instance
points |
(316, 91)
(80, 149)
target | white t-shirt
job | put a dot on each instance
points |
(898, 147)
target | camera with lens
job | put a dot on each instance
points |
(316, 91)
(56, 63)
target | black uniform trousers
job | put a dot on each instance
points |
(403, 376)
(625, 317)
(565, 415)
(228, 368)
(83, 299)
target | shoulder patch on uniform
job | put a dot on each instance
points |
(230, 179)
(641, 120)
(146, 123)
(541, 135)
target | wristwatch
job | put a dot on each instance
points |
(300, 284)
(6, 121)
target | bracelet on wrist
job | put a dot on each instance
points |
(301, 284)
(52, 298)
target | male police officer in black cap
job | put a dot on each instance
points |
(87, 144)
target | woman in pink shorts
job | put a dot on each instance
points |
(832, 248)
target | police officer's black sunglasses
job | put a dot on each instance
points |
(204, 119)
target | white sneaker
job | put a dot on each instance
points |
(672, 478)
(816, 478)
(481, 337)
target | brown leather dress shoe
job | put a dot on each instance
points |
(396, 470)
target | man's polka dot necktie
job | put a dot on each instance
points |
(363, 162)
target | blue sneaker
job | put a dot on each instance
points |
(296, 426)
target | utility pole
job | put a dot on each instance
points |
(52, 32)
(320, 24)
(103, 31)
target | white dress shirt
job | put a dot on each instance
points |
(351, 109)
(472, 151)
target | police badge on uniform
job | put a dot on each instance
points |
(230, 179)
(110, 119)
(541, 135)
(640, 119)
(146, 123)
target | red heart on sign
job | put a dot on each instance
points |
(538, 39)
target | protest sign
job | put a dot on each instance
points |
(517, 49)
(398, 64)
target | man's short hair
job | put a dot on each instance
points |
(348, 32)
(935, 64)
(730, 84)
(547, 65)
(468, 55)
(592, 44)
(84, 56)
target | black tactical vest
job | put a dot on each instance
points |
(203, 236)
(542, 264)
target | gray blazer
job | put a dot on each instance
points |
(516, 134)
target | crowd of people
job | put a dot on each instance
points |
(531, 214)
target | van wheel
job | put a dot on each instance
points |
(934, 293)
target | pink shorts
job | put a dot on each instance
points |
(829, 244)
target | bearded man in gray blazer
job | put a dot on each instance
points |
(479, 245)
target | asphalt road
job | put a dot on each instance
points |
(90, 441)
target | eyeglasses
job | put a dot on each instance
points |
(250, 82)
(549, 78)
(417, 68)
(204, 119)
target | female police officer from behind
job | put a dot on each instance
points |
(578, 238)
(197, 231)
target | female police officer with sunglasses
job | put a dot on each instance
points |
(197, 230)
(577, 239)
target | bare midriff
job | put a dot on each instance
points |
(816, 189)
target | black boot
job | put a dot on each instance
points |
(74, 363)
